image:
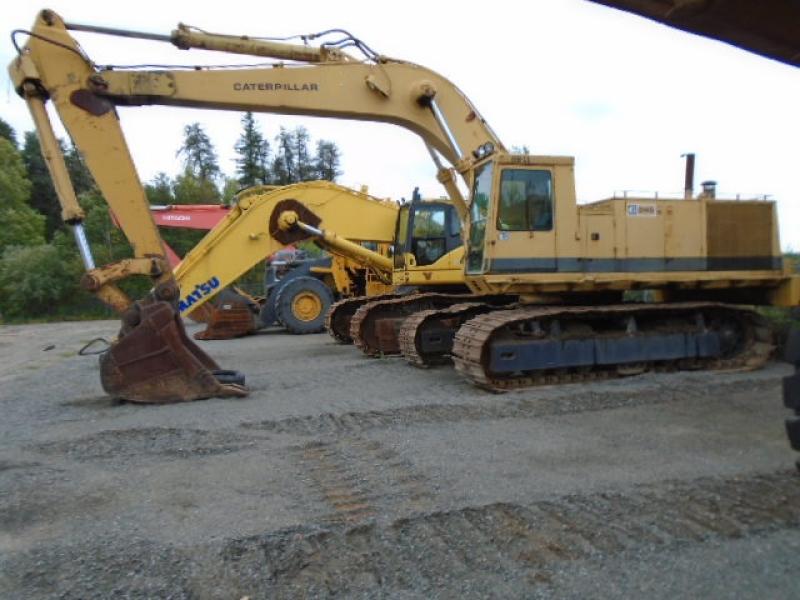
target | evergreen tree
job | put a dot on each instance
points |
(199, 156)
(305, 166)
(43, 195)
(292, 161)
(82, 180)
(283, 165)
(7, 132)
(327, 160)
(252, 164)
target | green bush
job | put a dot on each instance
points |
(35, 281)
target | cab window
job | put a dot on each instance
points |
(400, 238)
(526, 200)
(429, 241)
(479, 209)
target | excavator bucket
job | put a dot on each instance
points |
(233, 316)
(155, 362)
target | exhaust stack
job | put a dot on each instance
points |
(688, 186)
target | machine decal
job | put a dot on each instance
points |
(275, 87)
(201, 290)
(642, 210)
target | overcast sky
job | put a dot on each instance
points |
(625, 96)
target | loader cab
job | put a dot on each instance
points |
(427, 230)
(512, 226)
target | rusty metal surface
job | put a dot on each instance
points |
(227, 322)
(155, 362)
(375, 326)
(340, 314)
(473, 340)
(770, 28)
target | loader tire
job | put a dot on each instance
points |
(266, 315)
(301, 305)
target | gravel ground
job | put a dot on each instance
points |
(366, 478)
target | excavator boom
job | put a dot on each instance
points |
(265, 221)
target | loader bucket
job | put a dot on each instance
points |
(227, 321)
(155, 362)
(202, 314)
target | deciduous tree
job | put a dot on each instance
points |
(21, 225)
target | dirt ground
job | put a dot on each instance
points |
(366, 478)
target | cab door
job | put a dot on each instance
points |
(524, 236)
(479, 212)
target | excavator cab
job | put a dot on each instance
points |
(513, 212)
(426, 232)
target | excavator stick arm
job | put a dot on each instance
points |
(153, 360)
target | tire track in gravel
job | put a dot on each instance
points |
(504, 549)
(361, 478)
(565, 402)
(498, 550)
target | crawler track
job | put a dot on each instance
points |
(747, 341)
(426, 337)
(337, 321)
(375, 325)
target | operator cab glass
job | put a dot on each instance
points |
(429, 239)
(479, 211)
(428, 230)
(401, 236)
(526, 200)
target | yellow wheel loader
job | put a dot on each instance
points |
(548, 276)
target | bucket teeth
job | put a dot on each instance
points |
(155, 362)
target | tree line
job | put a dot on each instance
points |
(39, 264)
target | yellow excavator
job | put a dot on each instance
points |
(353, 226)
(564, 268)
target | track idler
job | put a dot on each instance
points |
(155, 362)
